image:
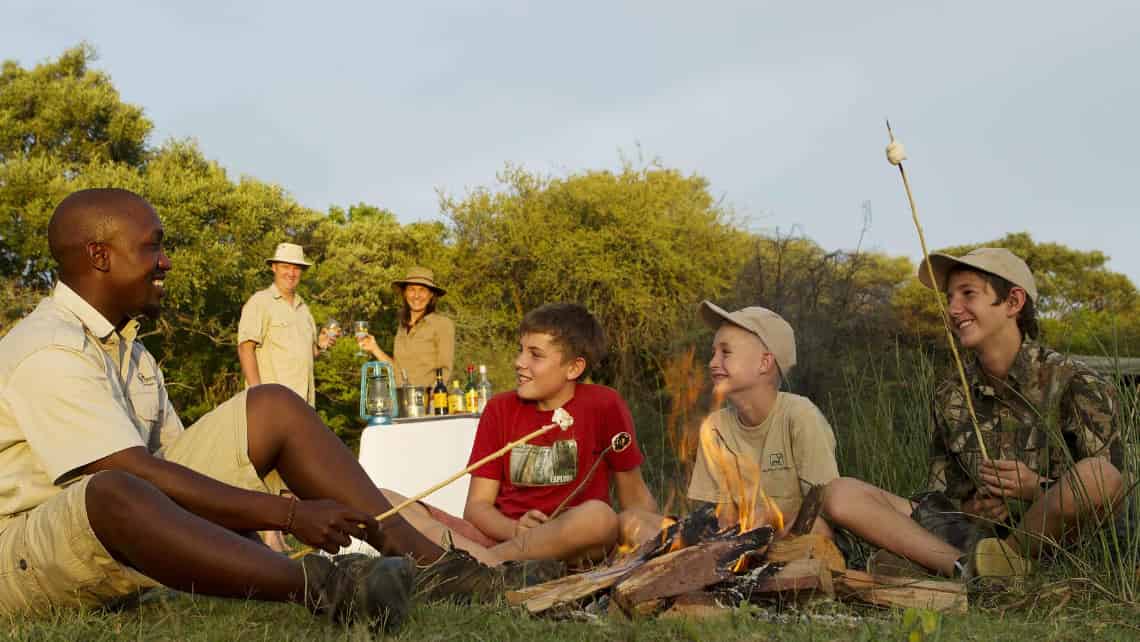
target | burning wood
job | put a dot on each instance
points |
(693, 569)
(689, 569)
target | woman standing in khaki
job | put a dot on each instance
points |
(425, 339)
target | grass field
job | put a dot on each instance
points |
(1062, 611)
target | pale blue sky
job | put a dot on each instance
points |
(1017, 115)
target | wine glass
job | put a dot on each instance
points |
(360, 329)
(332, 327)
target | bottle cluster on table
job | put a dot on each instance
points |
(471, 397)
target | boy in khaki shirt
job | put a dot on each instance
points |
(766, 443)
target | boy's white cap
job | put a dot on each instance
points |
(772, 329)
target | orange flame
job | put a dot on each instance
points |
(684, 381)
(738, 478)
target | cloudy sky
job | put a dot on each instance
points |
(1016, 115)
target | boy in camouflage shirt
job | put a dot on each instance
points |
(1048, 427)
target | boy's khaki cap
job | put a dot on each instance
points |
(772, 329)
(993, 260)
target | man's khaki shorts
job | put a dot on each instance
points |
(50, 557)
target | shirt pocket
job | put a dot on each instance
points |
(146, 397)
(281, 334)
(778, 477)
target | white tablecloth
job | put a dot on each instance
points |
(409, 457)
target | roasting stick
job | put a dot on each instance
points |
(895, 156)
(618, 443)
(562, 419)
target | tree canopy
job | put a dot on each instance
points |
(639, 247)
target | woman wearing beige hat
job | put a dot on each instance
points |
(425, 340)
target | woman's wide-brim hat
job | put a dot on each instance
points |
(289, 253)
(420, 276)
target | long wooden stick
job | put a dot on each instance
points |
(582, 484)
(411, 500)
(493, 456)
(941, 305)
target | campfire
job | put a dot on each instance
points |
(694, 568)
(705, 563)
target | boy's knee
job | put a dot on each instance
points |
(1097, 474)
(838, 496)
(600, 517)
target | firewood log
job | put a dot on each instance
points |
(901, 592)
(687, 570)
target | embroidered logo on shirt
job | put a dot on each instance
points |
(776, 460)
(551, 465)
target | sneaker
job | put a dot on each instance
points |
(992, 557)
(524, 573)
(357, 587)
(887, 564)
(459, 577)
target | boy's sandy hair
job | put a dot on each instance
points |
(571, 326)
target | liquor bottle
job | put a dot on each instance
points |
(455, 398)
(439, 394)
(470, 391)
(484, 387)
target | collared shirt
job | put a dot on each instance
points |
(429, 345)
(285, 335)
(792, 450)
(1049, 412)
(72, 391)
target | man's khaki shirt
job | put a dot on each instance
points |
(72, 391)
(1049, 413)
(792, 450)
(429, 345)
(285, 336)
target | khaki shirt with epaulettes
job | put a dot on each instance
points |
(73, 390)
(285, 335)
(1049, 412)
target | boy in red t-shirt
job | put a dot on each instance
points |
(512, 499)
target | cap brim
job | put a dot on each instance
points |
(713, 315)
(941, 264)
(301, 263)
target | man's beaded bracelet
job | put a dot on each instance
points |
(293, 501)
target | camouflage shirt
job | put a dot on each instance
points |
(1050, 412)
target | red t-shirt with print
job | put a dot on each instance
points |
(543, 472)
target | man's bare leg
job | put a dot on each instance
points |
(286, 435)
(144, 528)
(884, 520)
(1084, 493)
(585, 532)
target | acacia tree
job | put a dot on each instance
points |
(639, 248)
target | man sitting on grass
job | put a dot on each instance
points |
(102, 492)
(1047, 424)
(512, 500)
(766, 443)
